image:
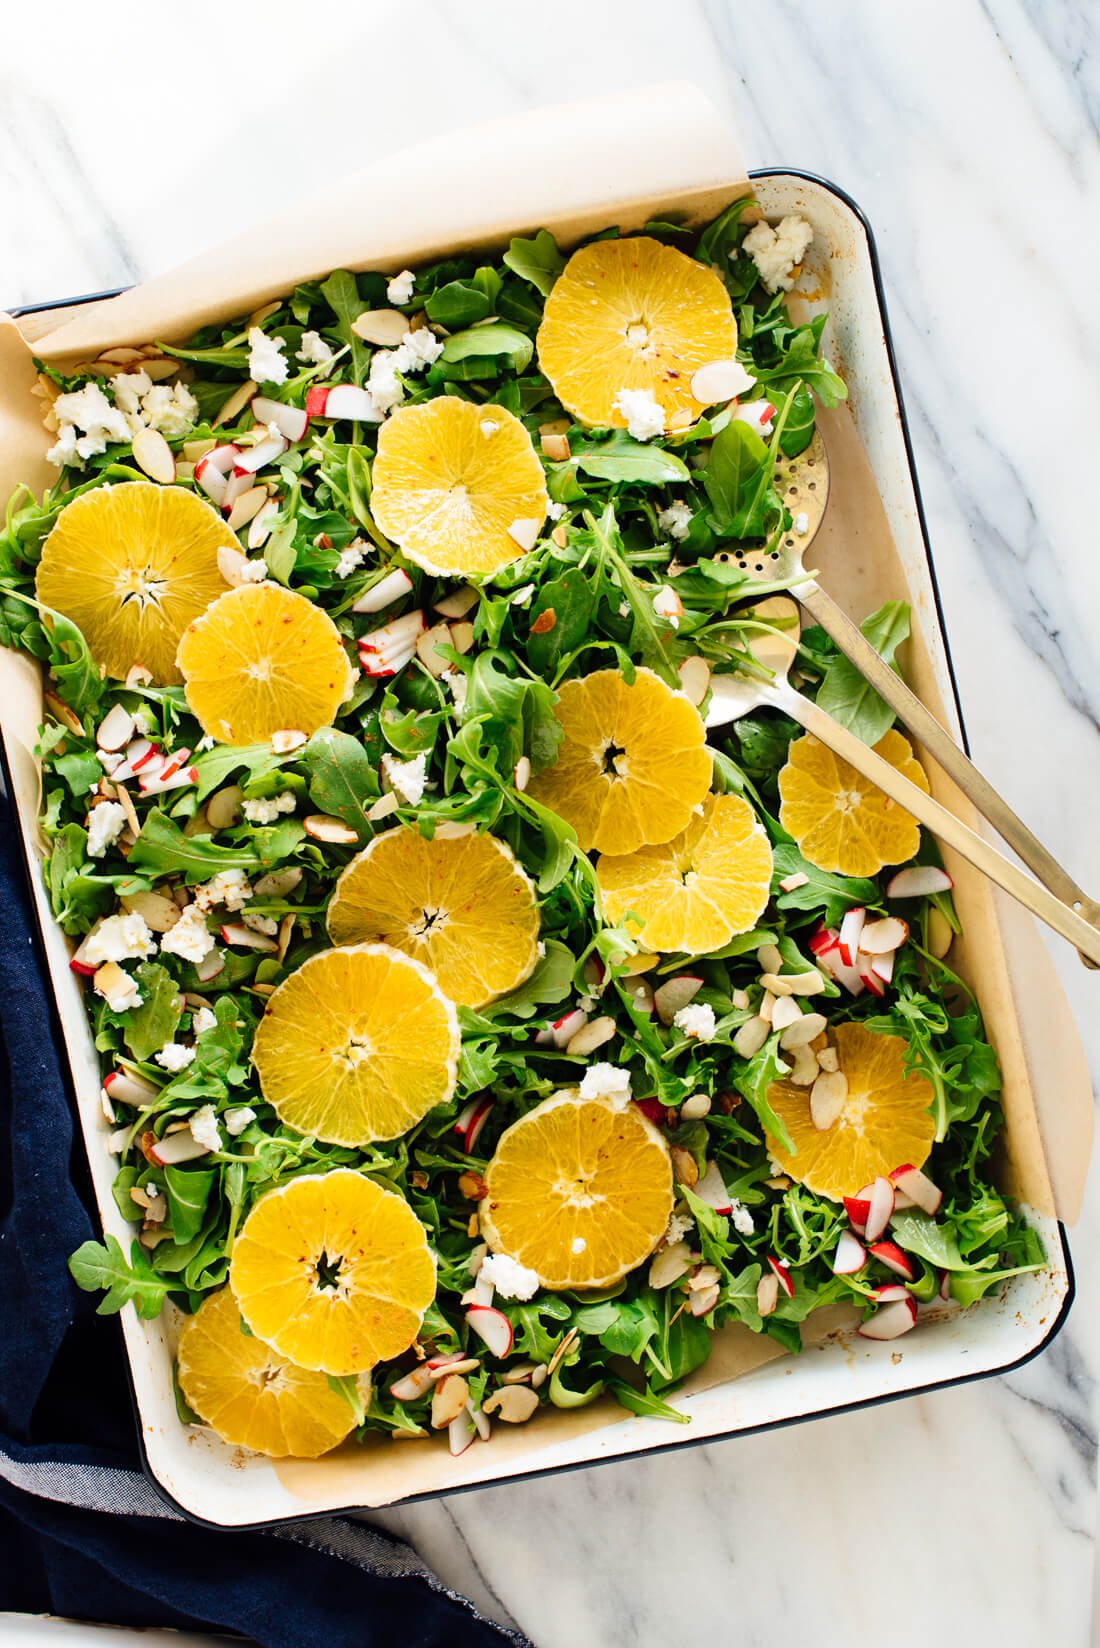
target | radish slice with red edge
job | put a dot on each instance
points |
(782, 1276)
(892, 1256)
(918, 1187)
(890, 1321)
(850, 929)
(881, 1200)
(492, 1327)
(850, 1255)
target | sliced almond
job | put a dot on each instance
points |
(122, 795)
(260, 526)
(194, 450)
(685, 1169)
(458, 603)
(596, 1033)
(695, 1108)
(162, 369)
(519, 1375)
(462, 636)
(809, 983)
(694, 675)
(766, 1008)
(559, 536)
(223, 810)
(513, 1403)
(323, 827)
(246, 507)
(287, 739)
(769, 959)
(122, 355)
(704, 1301)
(827, 1098)
(154, 456)
(383, 807)
(940, 934)
(184, 471)
(555, 447)
(453, 829)
(231, 409)
(785, 1014)
(720, 380)
(804, 1067)
(802, 1030)
(525, 532)
(521, 776)
(382, 326)
(159, 914)
(828, 1058)
(426, 645)
(703, 1277)
(265, 312)
(286, 933)
(751, 1037)
(448, 1400)
(670, 1264)
(231, 565)
(468, 1364)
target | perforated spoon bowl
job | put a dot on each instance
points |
(775, 648)
(803, 483)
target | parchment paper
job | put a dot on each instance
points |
(617, 161)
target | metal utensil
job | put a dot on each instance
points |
(803, 483)
(775, 647)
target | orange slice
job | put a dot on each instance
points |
(885, 1122)
(633, 314)
(632, 765)
(459, 487)
(694, 893)
(250, 1394)
(463, 907)
(579, 1191)
(132, 566)
(262, 659)
(839, 819)
(333, 1272)
(357, 1045)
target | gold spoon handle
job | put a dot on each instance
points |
(1039, 900)
(944, 750)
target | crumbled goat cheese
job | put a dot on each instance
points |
(678, 1227)
(189, 938)
(644, 417)
(607, 1081)
(742, 1218)
(802, 523)
(510, 1279)
(314, 351)
(557, 512)
(204, 1127)
(253, 572)
(86, 422)
(778, 252)
(203, 1019)
(119, 938)
(266, 361)
(400, 288)
(265, 809)
(105, 824)
(541, 947)
(350, 559)
(171, 408)
(237, 1120)
(407, 777)
(206, 742)
(696, 1020)
(120, 993)
(228, 887)
(383, 385)
(128, 388)
(458, 685)
(174, 1056)
(675, 520)
(418, 350)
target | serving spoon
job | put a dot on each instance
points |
(775, 648)
(803, 483)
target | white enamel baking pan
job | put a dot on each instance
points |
(213, 1483)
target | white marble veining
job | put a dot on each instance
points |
(967, 129)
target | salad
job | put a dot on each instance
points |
(481, 1034)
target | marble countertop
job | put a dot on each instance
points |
(967, 130)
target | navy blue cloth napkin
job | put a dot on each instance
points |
(83, 1532)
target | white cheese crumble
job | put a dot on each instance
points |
(407, 777)
(105, 824)
(556, 511)
(607, 1081)
(510, 1279)
(252, 572)
(174, 1057)
(87, 421)
(204, 1127)
(189, 938)
(697, 1021)
(644, 417)
(350, 559)
(383, 385)
(458, 685)
(400, 289)
(265, 809)
(675, 520)
(118, 990)
(171, 408)
(267, 362)
(679, 1225)
(777, 253)
(203, 1019)
(119, 938)
(237, 1120)
(228, 887)
(741, 1218)
(418, 350)
(313, 350)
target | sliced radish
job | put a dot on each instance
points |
(176, 1148)
(892, 1256)
(213, 469)
(140, 754)
(380, 667)
(712, 1190)
(919, 881)
(674, 994)
(870, 979)
(399, 632)
(851, 929)
(564, 1029)
(890, 1321)
(237, 933)
(291, 421)
(254, 458)
(858, 1208)
(882, 967)
(824, 940)
(945, 1287)
(385, 592)
(460, 1432)
(236, 486)
(880, 1196)
(343, 400)
(412, 1385)
(850, 1255)
(481, 1423)
(483, 1291)
(782, 1276)
(847, 977)
(127, 1089)
(917, 1185)
(158, 783)
(891, 1293)
(471, 1120)
(878, 937)
(492, 1327)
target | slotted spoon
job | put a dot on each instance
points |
(803, 483)
(775, 647)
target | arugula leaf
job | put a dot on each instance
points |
(623, 460)
(753, 1082)
(537, 260)
(103, 1265)
(342, 296)
(163, 848)
(147, 1028)
(831, 894)
(494, 339)
(571, 600)
(739, 483)
(188, 1190)
(80, 681)
(550, 983)
(215, 767)
(342, 778)
(846, 695)
(458, 304)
